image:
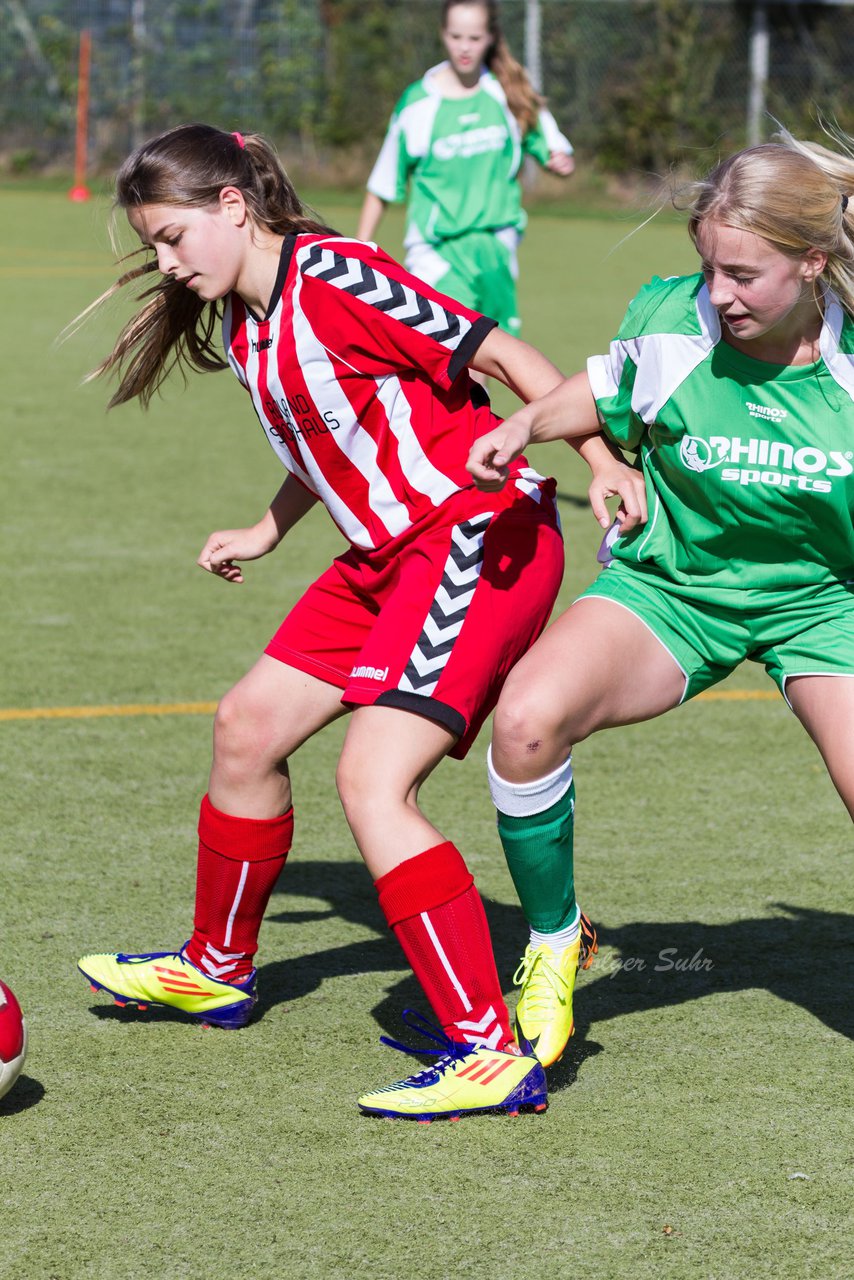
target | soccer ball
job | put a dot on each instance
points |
(13, 1039)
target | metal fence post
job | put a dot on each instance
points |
(760, 45)
(534, 43)
(137, 72)
(534, 67)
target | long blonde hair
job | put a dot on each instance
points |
(522, 98)
(188, 167)
(793, 194)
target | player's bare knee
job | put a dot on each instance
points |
(353, 783)
(524, 727)
(366, 798)
(243, 738)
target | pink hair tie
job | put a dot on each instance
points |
(240, 140)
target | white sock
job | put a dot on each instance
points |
(524, 799)
(563, 938)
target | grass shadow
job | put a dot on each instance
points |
(662, 963)
(657, 963)
(25, 1093)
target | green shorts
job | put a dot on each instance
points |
(478, 269)
(807, 630)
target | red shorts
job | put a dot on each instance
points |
(433, 622)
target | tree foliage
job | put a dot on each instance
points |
(636, 84)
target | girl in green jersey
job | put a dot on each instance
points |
(456, 143)
(735, 387)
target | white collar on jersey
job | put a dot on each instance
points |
(428, 80)
(490, 84)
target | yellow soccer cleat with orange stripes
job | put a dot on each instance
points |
(167, 977)
(466, 1078)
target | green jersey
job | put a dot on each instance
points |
(459, 158)
(749, 466)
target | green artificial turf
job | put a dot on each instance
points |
(699, 1124)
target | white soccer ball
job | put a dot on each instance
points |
(13, 1039)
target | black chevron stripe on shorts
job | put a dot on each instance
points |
(447, 613)
(398, 300)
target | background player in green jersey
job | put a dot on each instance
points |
(456, 142)
(736, 388)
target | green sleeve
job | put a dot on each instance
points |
(534, 144)
(544, 138)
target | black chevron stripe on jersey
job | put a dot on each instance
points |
(402, 297)
(393, 297)
(448, 609)
(313, 257)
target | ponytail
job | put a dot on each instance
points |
(522, 98)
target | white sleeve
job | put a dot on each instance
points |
(555, 140)
(384, 180)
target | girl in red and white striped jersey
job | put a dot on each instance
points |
(358, 373)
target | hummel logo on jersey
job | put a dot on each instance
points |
(369, 673)
(400, 301)
(263, 345)
(770, 462)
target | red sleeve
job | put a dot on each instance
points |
(375, 316)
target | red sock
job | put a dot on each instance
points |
(435, 911)
(239, 863)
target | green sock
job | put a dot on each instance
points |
(538, 849)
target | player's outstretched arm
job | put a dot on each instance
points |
(522, 368)
(566, 412)
(370, 217)
(226, 546)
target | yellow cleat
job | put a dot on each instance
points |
(544, 1008)
(167, 977)
(466, 1079)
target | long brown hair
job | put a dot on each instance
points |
(522, 98)
(792, 193)
(188, 167)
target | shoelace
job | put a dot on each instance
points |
(448, 1055)
(131, 957)
(540, 980)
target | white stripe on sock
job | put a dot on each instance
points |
(446, 964)
(233, 912)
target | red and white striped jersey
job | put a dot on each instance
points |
(357, 374)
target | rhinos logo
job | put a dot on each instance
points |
(697, 454)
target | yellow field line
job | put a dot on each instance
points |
(130, 709)
(208, 708)
(48, 273)
(740, 695)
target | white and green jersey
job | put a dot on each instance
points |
(460, 158)
(749, 466)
